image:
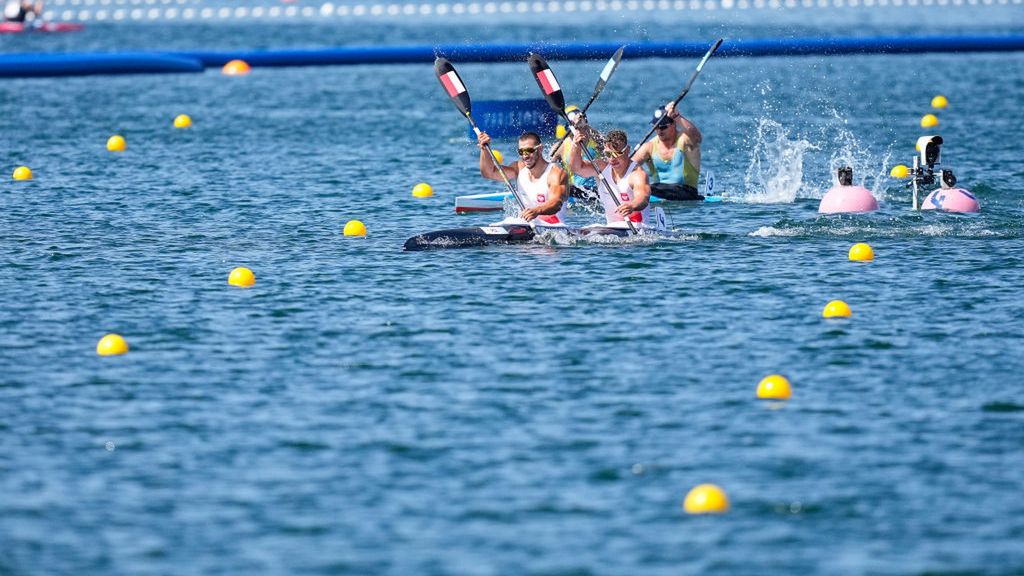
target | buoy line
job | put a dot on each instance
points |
(120, 10)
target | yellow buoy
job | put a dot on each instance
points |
(111, 345)
(706, 499)
(836, 309)
(182, 121)
(899, 171)
(355, 228)
(929, 121)
(241, 277)
(940, 102)
(498, 156)
(774, 387)
(422, 190)
(236, 68)
(22, 173)
(861, 252)
(116, 143)
(559, 131)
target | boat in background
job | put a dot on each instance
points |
(49, 27)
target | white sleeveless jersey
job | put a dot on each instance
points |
(535, 193)
(625, 192)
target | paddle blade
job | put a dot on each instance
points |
(548, 83)
(453, 85)
(612, 64)
(711, 52)
(606, 73)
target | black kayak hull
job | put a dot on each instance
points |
(471, 237)
(495, 235)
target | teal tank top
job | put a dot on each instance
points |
(675, 170)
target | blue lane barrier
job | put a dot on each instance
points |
(83, 63)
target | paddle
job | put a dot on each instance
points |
(606, 73)
(456, 90)
(686, 89)
(545, 78)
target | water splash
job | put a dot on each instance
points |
(775, 173)
(849, 151)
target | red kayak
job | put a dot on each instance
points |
(18, 27)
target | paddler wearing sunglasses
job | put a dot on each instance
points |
(631, 185)
(541, 184)
(672, 158)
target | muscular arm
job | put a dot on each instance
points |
(641, 186)
(684, 126)
(487, 167)
(489, 171)
(689, 138)
(558, 191)
(689, 130)
(644, 153)
(579, 167)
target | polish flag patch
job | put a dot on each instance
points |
(452, 84)
(547, 81)
(541, 198)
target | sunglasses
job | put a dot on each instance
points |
(614, 153)
(528, 150)
(663, 126)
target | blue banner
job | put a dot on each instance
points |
(510, 118)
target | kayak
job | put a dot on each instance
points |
(470, 237)
(512, 231)
(18, 27)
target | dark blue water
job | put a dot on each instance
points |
(539, 409)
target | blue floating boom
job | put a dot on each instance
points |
(84, 64)
(74, 64)
(600, 50)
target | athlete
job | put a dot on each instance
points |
(582, 188)
(673, 158)
(631, 186)
(541, 184)
(18, 10)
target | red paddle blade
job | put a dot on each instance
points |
(548, 83)
(452, 84)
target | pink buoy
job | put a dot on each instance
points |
(951, 200)
(844, 199)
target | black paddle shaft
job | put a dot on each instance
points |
(452, 84)
(686, 90)
(606, 73)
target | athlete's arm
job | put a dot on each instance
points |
(689, 136)
(487, 168)
(644, 153)
(577, 164)
(641, 186)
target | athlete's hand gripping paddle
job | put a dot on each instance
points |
(606, 73)
(456, 90)
(686, 89)
(556, 100)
